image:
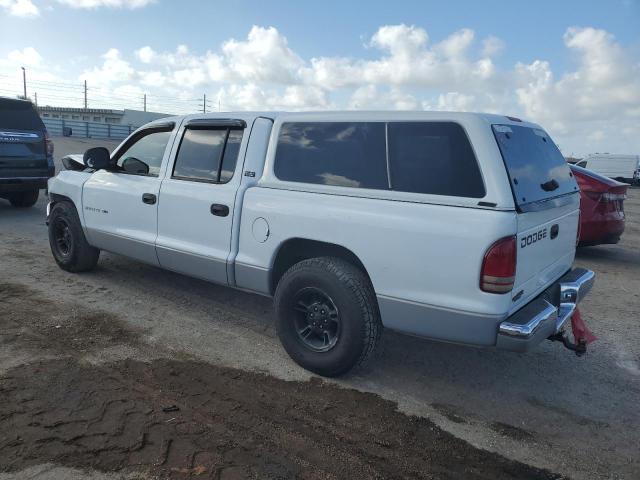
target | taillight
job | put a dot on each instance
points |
(49, 144)
(605, 196)
(612, 197)
(499, 266)
(579, 229)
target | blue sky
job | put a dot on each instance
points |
(527, 58)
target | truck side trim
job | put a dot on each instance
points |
(122, 245)
(436, 323)
(189, 263)
(253, 277)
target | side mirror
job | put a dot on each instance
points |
(133, 165)
(73, 162)
(97, 158)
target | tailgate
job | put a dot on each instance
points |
(546, 243)
(22, 154)
(548, 203)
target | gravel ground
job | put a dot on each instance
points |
(128, 326)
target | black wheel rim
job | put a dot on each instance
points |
(62, 237)
(316, 319)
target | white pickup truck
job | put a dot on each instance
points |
(457, 227)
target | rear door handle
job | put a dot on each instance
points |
(149, 198)
(219, 210)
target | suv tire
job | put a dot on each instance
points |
(24, 199)
(67, 241)
(327, 315)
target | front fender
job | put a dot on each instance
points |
(67, 185)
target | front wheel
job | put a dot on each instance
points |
(328, 319)
(24, 199)
(67, 241)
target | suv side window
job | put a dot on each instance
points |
(434, 158)
(144, 156)
(347, 154)
(207, 155)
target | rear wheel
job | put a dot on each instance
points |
(24, 199)
(328, 319)
(67, 241)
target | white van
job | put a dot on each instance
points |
(625, 168)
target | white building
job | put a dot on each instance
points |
(134, 118)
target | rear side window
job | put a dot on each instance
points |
(19, 115)
(208, 155)
(347, 154)
(536, 168)
(434, 158)
(230, 156)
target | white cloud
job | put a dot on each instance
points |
(20, 8)
(253, 97)
(27, 57)
(604, 88)
(145, 54)
(152, 78)
(400, 40)
(594, 105)
(89, 4)
(113, 70)
(264, 56)
(372, 97)
(189, 77)
(455, 101)
(408, 59)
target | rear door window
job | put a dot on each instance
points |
(208, 154)
(346, 154)
(536, 168)
(434, 158)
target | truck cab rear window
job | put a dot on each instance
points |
(536, 168)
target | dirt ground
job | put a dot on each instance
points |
(177, 417)
(133, 372)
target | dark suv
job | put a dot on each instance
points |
(26, 153)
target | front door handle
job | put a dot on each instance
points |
(149, 198)
(219, 210)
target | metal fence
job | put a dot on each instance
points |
(76, 128)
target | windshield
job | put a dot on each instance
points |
(536, 168)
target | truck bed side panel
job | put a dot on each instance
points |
(420, 257)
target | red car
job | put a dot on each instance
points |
(601, 207)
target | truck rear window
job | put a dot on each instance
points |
(19, 115)
(536, 168)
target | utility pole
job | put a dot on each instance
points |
(85, 94)
(24, 82)
(145, 102)
(204, 103)
(35, 95)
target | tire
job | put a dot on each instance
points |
(348, 325)
(24, 199)
(67, 241)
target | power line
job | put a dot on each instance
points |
(61, 94)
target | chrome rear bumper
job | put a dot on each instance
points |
(547, 314)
